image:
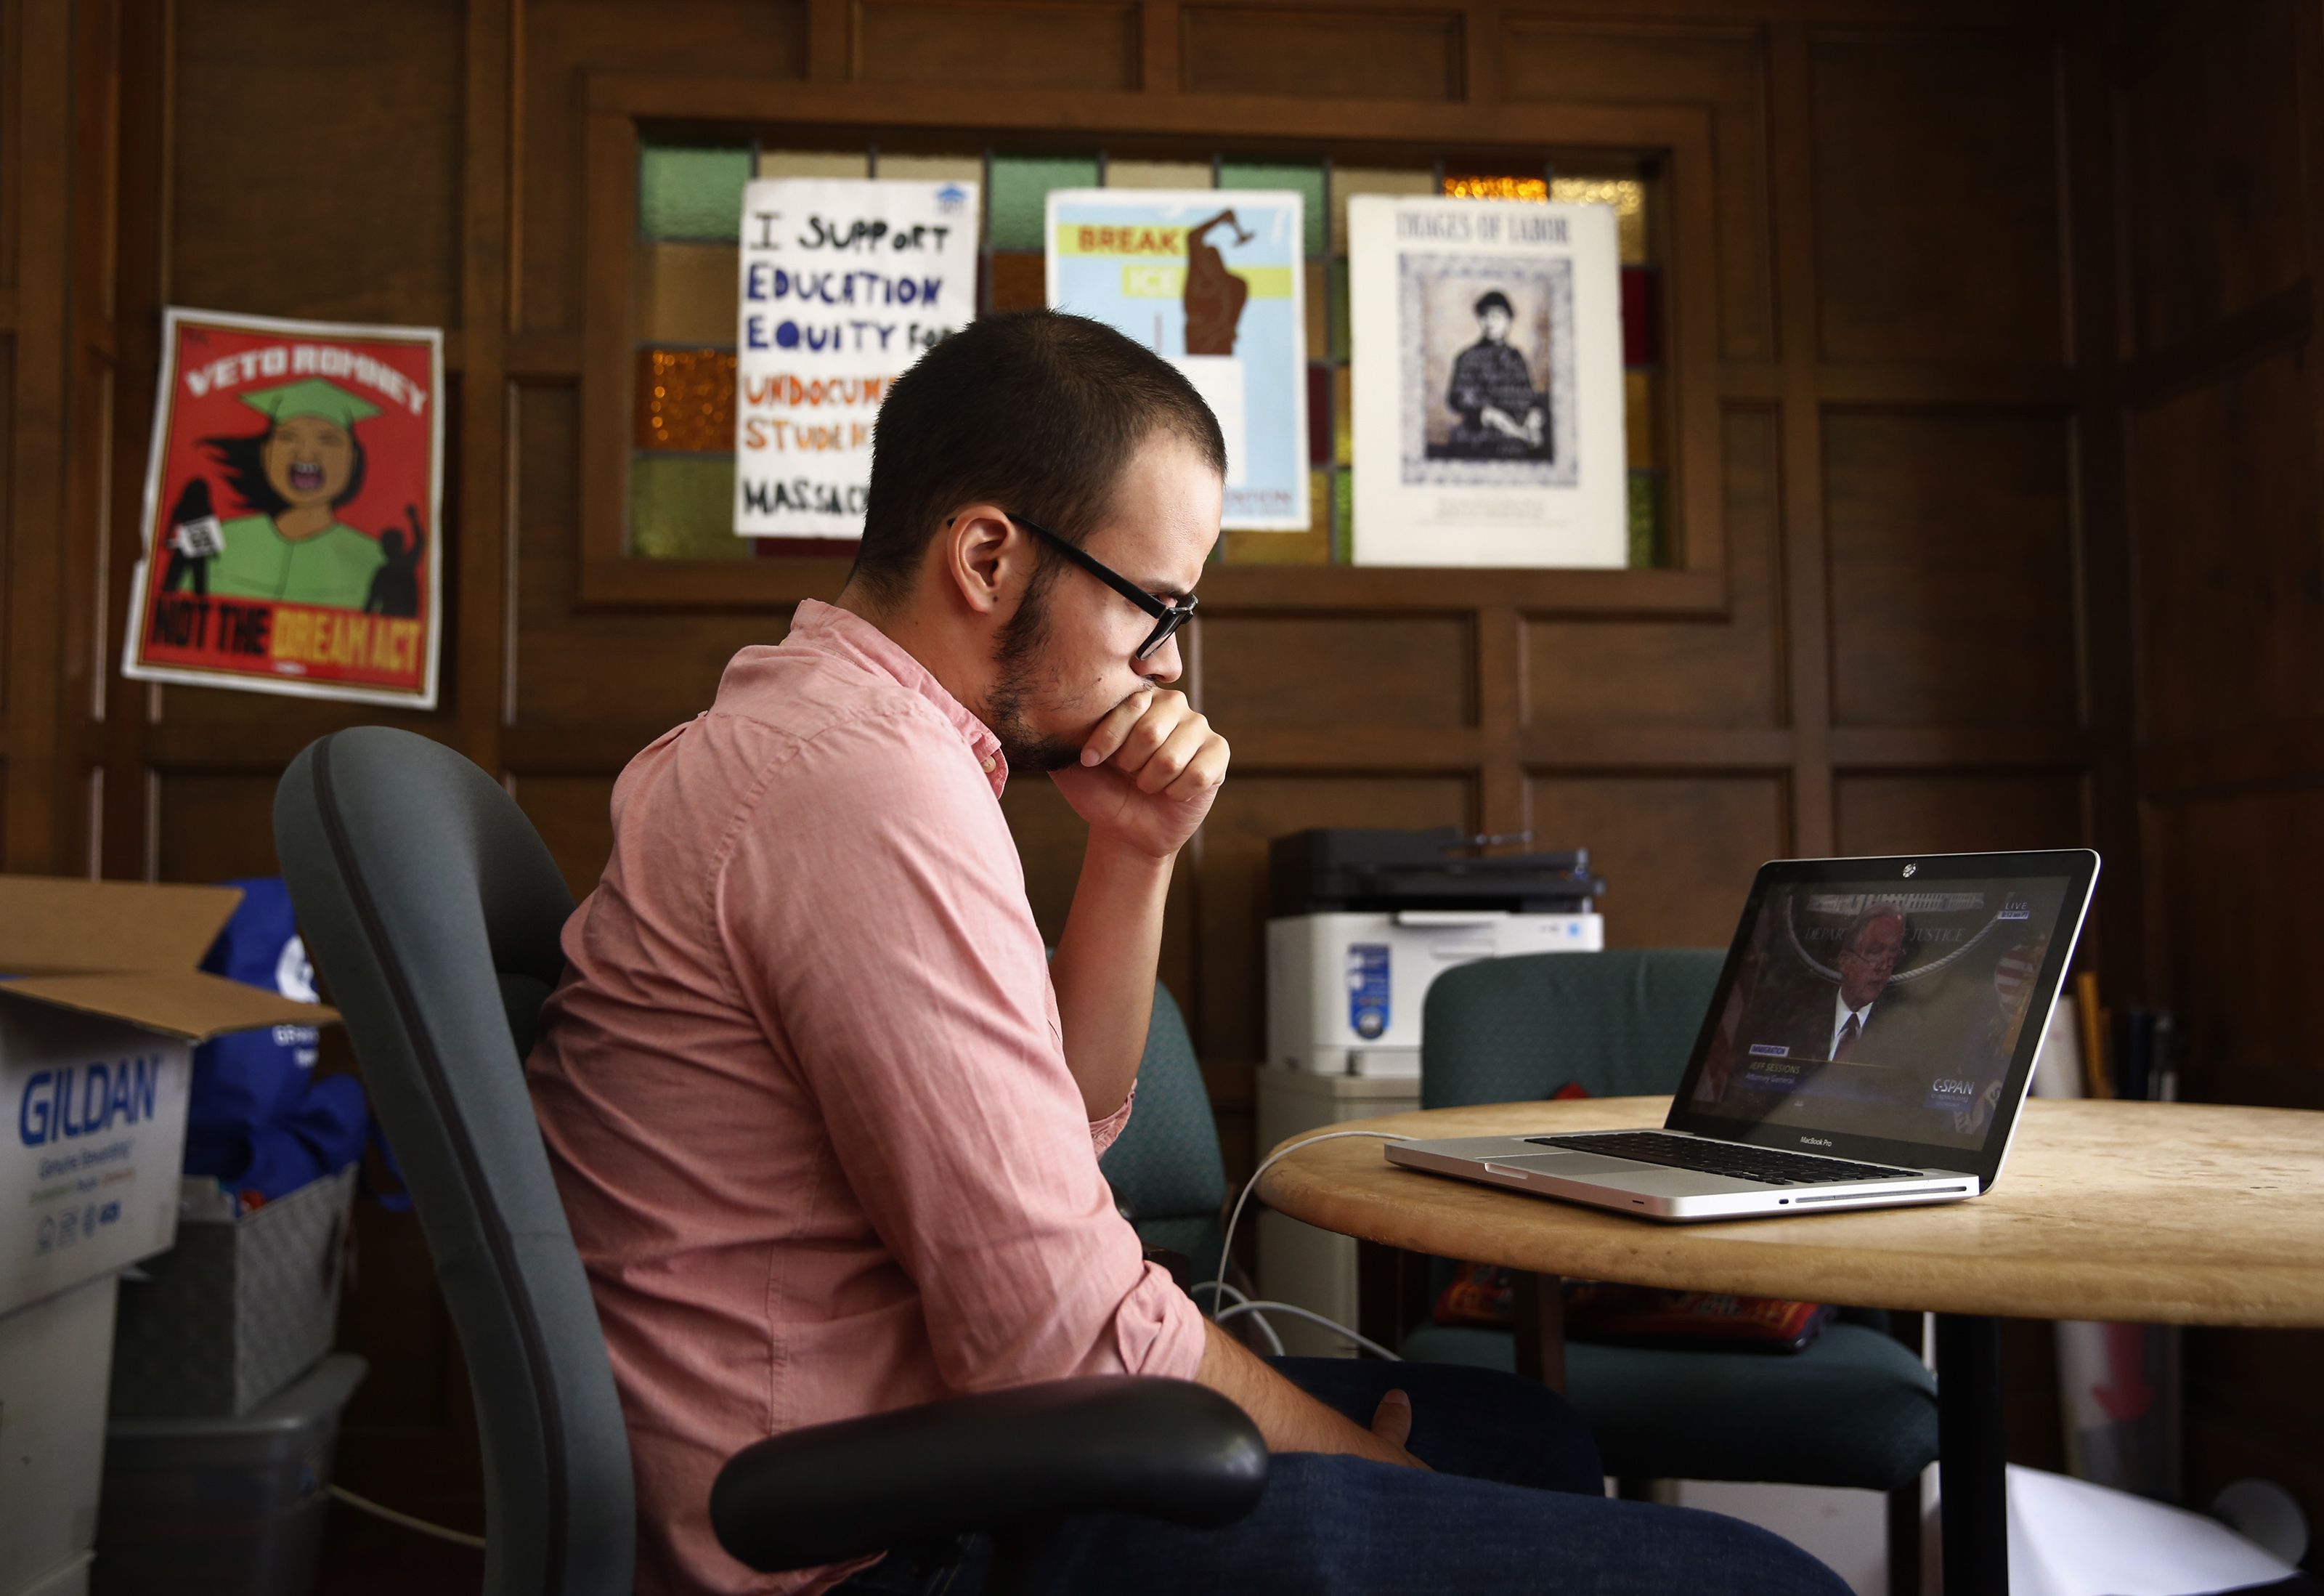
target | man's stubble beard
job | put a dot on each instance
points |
(1018, 656)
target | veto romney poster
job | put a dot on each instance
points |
(292, 536)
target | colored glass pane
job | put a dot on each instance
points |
(1641, 408)
(1645, 495)
(1627, 196)
(815, 163)
(690, 192)
(1317, 291)
(1310, 547)
(1347, 181)
(1318, 415)
(1020, 185)
(1344, 516)
(685, 400)
(1337, 273)
(1017, 282)
(1305, 181)
(1343, 427)
(1642, 316)
(1157, 174)
(930, 168)
(1496, 187)
(682, 507)
(685, 292)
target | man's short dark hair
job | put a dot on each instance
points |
(1035, 410)
(1494, 298)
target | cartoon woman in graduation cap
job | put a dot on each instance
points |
(294, 475)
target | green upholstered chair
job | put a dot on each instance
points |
(1855, 1408)
(1166, 1170)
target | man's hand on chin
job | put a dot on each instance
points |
(1147, 774)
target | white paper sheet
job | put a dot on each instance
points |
(2068, 1537)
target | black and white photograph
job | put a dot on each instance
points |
(1488, 407)
(1487, 370)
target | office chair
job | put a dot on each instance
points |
(1167, 1176)
(432, 909)
(1856, 1408)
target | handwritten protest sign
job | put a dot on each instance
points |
(291, 539)
(844, 284)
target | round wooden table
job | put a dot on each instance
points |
(2179, 1213)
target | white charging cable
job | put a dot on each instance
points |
(363, 1504)
(1259, 1310)
(1273, 1342)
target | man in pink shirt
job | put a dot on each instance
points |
(825, 1119)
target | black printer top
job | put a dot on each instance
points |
(1345, 868)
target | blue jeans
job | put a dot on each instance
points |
(1515, 1505)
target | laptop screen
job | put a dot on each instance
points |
(1883, 1007)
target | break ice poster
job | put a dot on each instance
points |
(844, 282)
(1212, 281)
(292, 539)
(1488, 373)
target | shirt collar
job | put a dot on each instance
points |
(850, 636)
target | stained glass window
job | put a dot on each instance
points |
(930, 169)
(686, 192)
(1627, 196)
(1020, 195)
(815, 163)
(685, 400)
(689, 207)
(1158, 174)
(1305, 181)
(1496, 187)
(682, 507)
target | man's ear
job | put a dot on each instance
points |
(986, 558)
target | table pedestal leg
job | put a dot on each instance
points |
(1970, 1465)
(1540, 1304)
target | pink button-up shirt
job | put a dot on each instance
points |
(804, 1091)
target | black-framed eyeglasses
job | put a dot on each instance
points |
(1169, 616)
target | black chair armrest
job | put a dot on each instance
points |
(1005, 1460)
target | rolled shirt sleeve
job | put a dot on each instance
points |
(950, 1108)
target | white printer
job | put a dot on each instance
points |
(1364, 921)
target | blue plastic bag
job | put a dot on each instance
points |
(258, 1119)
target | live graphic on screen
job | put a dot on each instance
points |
(1874, 1012)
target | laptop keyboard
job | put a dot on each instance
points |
(1767, 1166)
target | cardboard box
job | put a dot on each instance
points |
(237, 1310)
(100, 1005)
(54, 1358)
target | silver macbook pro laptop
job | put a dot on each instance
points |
(1869, 1044)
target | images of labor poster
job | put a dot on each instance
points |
(844, 282)
(291, 537)
(1488, 375)
(1212, 281)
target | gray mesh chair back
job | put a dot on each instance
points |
(432, 910)
(1165, 1169)
(1617, 1024)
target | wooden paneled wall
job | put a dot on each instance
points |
(2223, 220)
(1930, 371)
